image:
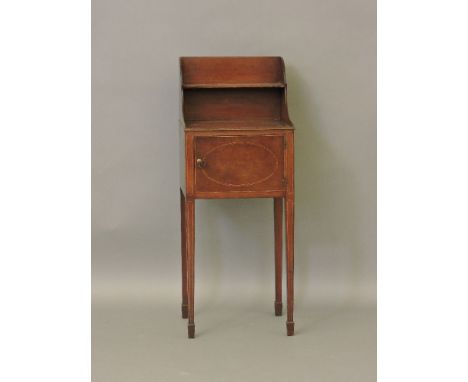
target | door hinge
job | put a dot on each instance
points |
(284, 182)
(284, 143)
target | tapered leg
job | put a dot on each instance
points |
(190, 245)
(278, 217)
(184, 256)
(290, 262)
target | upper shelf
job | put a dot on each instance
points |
(232, 72)
(236, 85)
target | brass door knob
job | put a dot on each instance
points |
(201, 163)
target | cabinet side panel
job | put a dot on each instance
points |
(182, 177)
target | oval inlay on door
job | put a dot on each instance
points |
(236, 163)
(240, 164)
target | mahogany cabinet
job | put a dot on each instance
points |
(236, 141)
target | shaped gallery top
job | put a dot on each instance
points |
(234, 93)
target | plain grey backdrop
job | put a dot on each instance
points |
(329, 48)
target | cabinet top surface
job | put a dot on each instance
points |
(239, 125)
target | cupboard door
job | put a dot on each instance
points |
(239, 163)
